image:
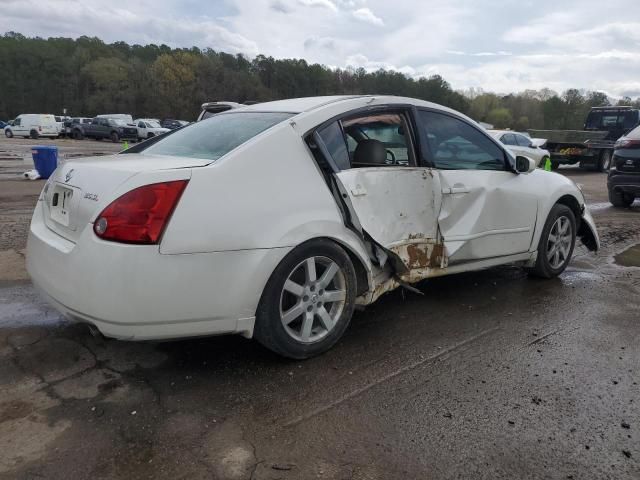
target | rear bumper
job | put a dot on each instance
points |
(135, 293)
(624, 182)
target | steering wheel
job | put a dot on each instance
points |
(392, 160)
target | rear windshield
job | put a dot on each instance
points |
(216, 136)
(634, 134)
(603, 120)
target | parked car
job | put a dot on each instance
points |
(113, 128)
(520, 144)
(273, 221)
(149, 127)
(33, 125)
(623, 181)
(72, 122)
(3, 124)
(173, 124)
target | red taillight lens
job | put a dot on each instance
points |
(627, 143)
(140, 216)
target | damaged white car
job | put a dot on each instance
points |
(274, 220)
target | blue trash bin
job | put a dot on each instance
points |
(45, 159)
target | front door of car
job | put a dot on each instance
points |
(395, 201)
(487, 210)
(18, 127)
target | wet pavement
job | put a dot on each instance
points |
(488, 375)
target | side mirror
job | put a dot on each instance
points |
(525, 164)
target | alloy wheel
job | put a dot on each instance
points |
(312, 299)
(559, 242)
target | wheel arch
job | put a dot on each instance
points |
(583, 229)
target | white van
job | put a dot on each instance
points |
(33, 125)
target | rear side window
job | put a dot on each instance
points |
(212, 138)
(333, 138)
(508, 139)
(455, 145)
(523, 141)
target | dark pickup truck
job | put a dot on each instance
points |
(591, 147)
(113, 128)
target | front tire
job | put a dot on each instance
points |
(308, 301)
(556, 243)
(114, 137)
(8, 133)
(620, 199)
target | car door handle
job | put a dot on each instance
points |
(457, 188)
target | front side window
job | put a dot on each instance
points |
(455, 145)
(212, 138)
(16, 123)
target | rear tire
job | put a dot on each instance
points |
(555, 165)
(34, 134)
(114, 137)
(303, 312)
(556, 243)
(620, 199)
(604, 162)
(77, 135)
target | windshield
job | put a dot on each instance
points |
(216, 136)
(152, 124)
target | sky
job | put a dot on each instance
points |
(501, 46)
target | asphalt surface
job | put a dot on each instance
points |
(487, 375)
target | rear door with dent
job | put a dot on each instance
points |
(393, 198)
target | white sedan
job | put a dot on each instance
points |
(520, 144)
(274, 220)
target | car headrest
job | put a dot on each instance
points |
(370, 152)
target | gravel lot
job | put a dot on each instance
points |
(488, 375)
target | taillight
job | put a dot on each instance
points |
(140, 216)
(627, 143)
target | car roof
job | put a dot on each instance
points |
(496, 133)
(298, 105)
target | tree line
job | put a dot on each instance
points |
(87, 76)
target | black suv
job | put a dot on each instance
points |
(624, 175)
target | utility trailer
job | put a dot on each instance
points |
(591, 147)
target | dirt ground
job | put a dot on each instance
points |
(488, 375)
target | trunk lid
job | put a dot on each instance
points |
(79, 189)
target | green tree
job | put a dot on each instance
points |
(500, 118)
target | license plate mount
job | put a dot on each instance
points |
(61, 205)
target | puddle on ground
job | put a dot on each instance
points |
(20, 307)
(571, 277)
(629, 257)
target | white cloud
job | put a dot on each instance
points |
(367, 16)
(320, 3)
